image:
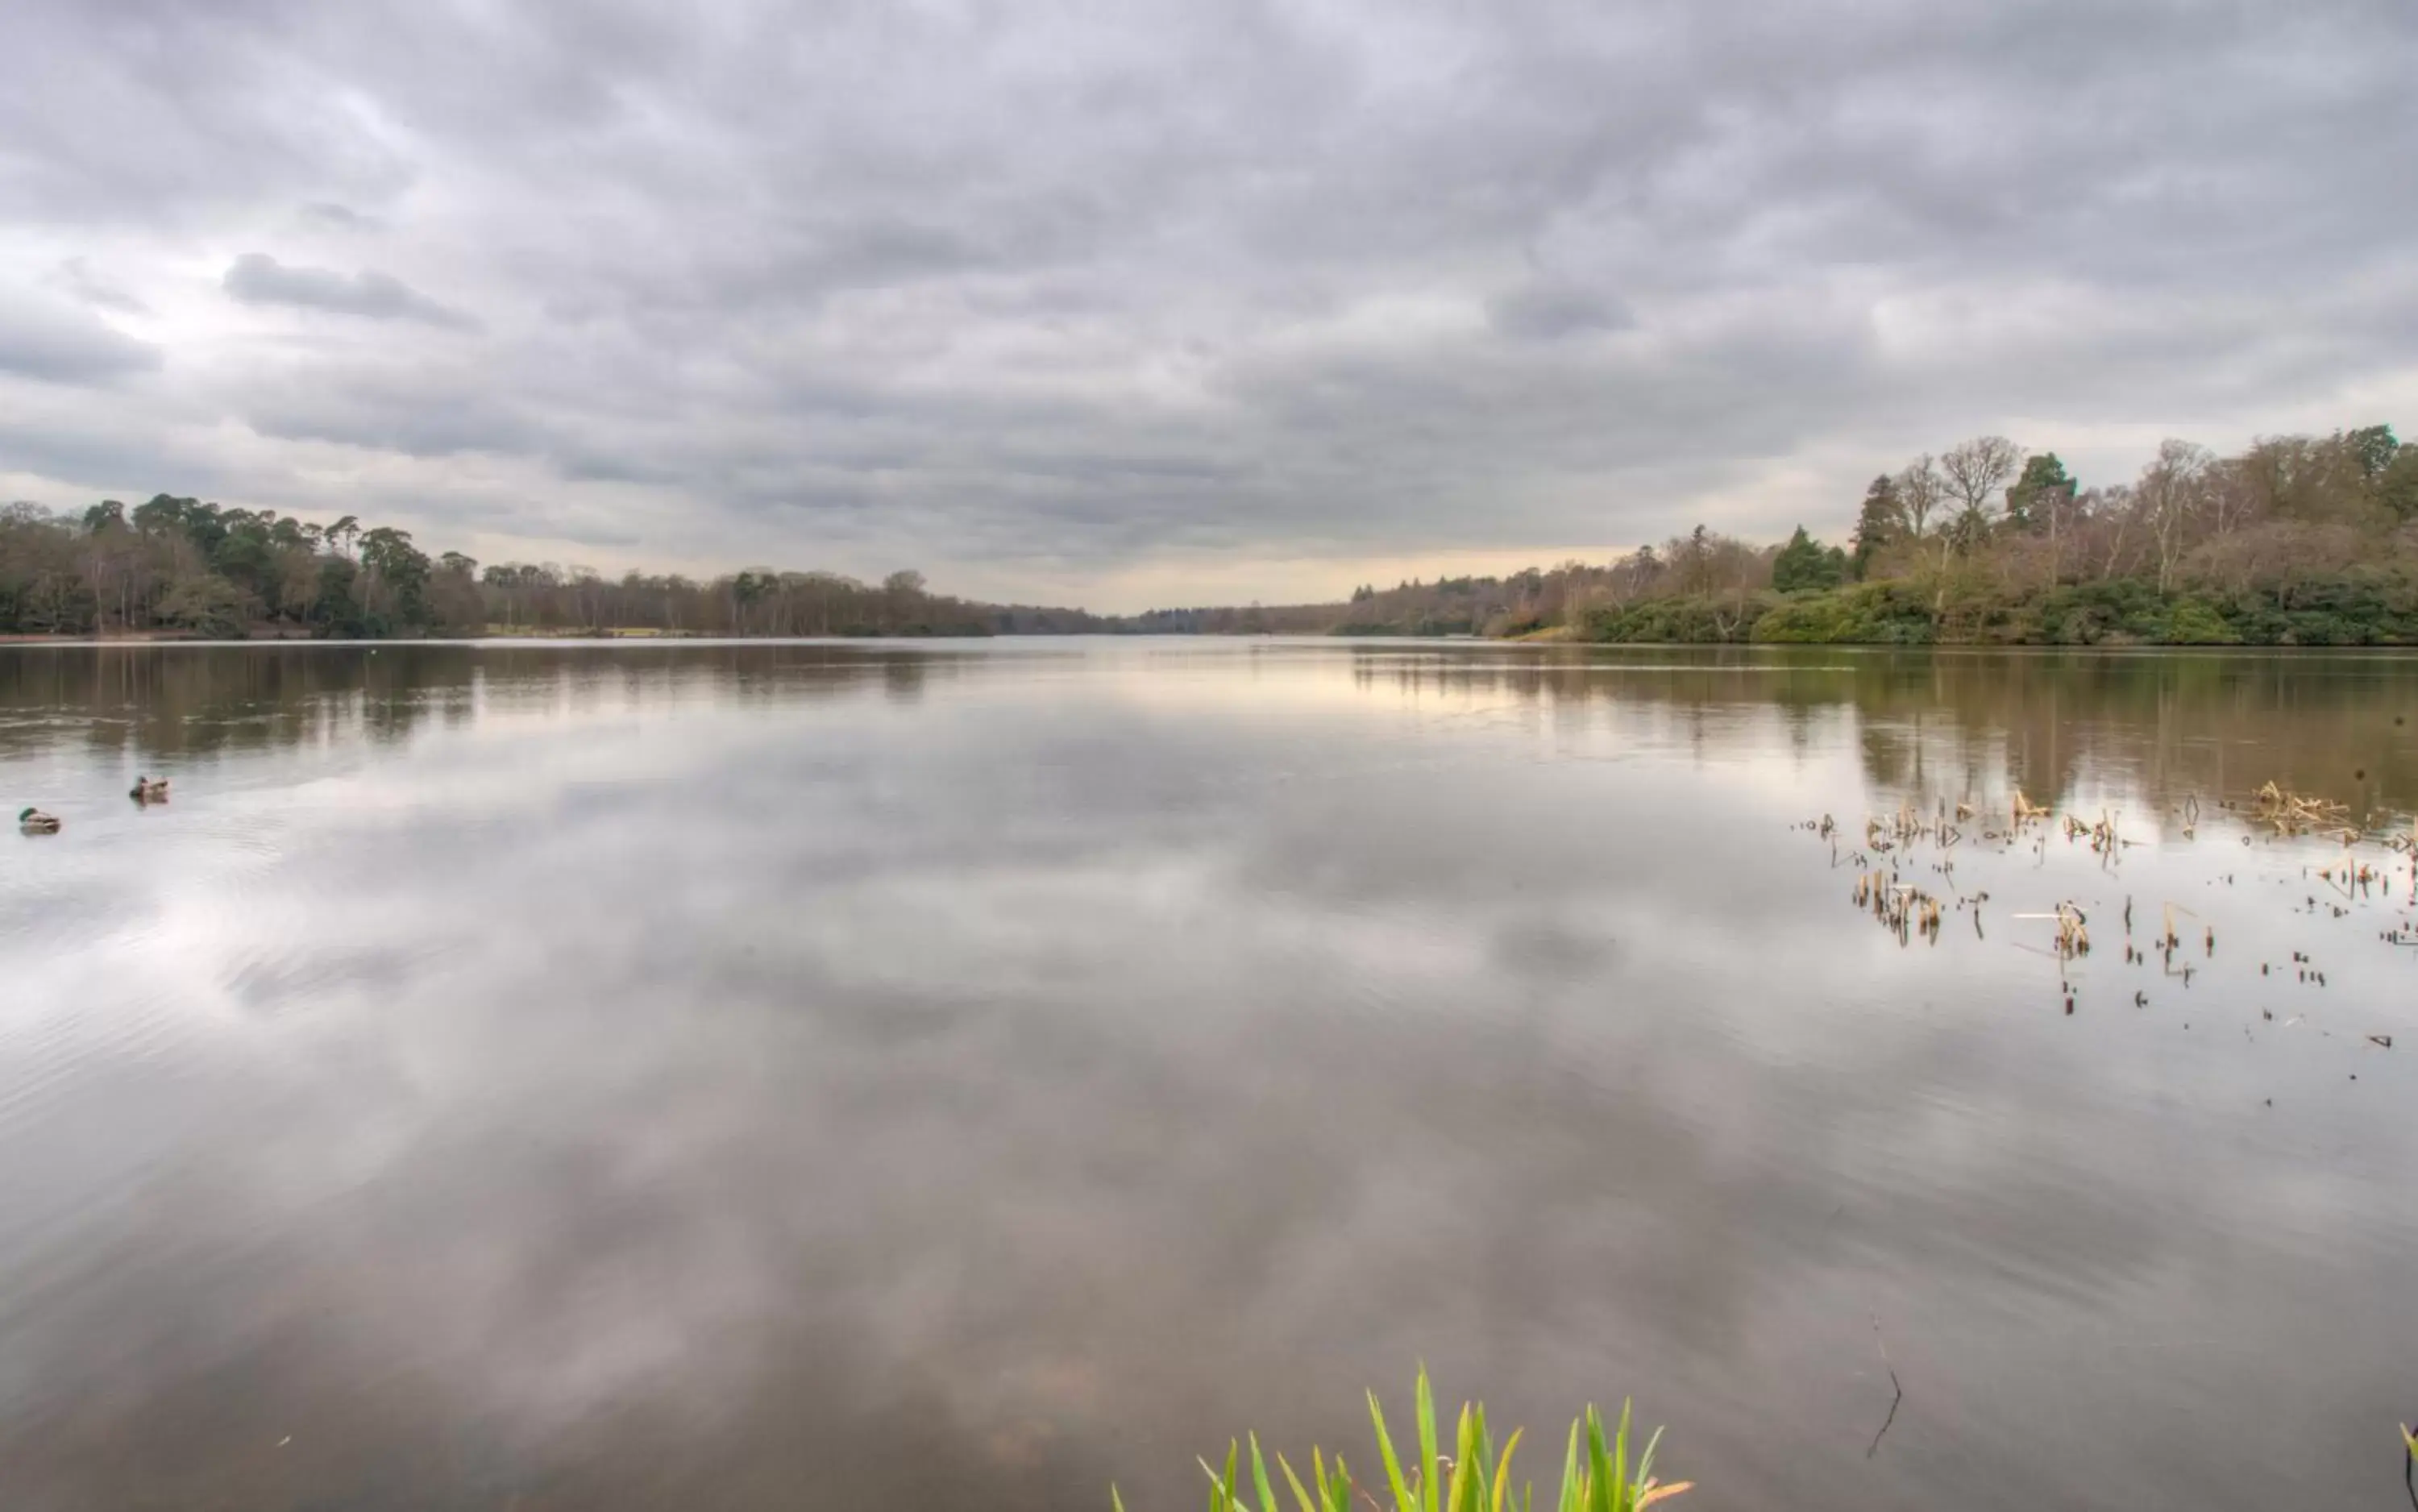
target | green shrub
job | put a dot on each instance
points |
(1874, 614)
(2190, 622)
(2376, 606)
(206, 604)
(1691, 621)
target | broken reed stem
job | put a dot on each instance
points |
(1897, 1391)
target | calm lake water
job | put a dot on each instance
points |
(961, 1076)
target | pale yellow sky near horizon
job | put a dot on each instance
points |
(1176, 584)
(1297, 580)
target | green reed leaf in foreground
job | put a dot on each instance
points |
(1403, 1501)
(1300, 1493)
(1426, 1402)
(1259, 1478)
(1597, 1474)
(1503, 1468)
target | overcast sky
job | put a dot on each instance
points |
(1175, 301)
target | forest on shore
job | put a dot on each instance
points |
(2297, 540)
(178, 567)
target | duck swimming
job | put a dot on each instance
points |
(34, 822)
(147, 791)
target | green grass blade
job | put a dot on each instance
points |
(1503, 1468)
(1634, 1482)
(1602, 1479)
(1480, 1455)
(1573, 1481)
(1596, 1475)
(1300, 1493)
(1428, 1487)
(1485, 1445)
(1464, 1443)
(1645, 1460)
(1403, 1501)
(1259, 1478)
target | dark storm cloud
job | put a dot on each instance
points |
(257, 278)
(1087, 287)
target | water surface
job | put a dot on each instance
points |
(773, 1076)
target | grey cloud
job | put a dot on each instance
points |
(75, 277)
(56, 342)
(57, 440)
(1545, 309)
(256, 278)
(1097, 288)
(327, 212)
(440, 431)
(581, 466)
(429, 413)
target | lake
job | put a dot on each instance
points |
(964, 1075)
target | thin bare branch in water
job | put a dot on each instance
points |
(1898, 1392)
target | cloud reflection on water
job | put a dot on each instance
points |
(716, 1076)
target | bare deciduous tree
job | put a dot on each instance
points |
(1632, 577)
(1919, 491)
(2230, 501)
(2168, 497)
(2106, 517)
(1975, 471)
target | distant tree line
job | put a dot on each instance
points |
(521, 596)
(2298, 540)
(179, 566)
